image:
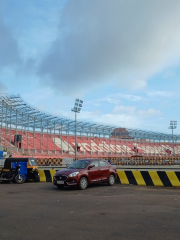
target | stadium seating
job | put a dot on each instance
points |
(37, 144)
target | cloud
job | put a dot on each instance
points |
(3, 88)
(121, 119)
(129, 97)
(149, 113)
(111, 100)
(115, 99)
(9, 52)
(124, 109)
(160, 94)
(124, 42)
(39, 96)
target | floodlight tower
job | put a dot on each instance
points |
(77, 108)
(173, 125)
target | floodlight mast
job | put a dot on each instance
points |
(173, 125)
(77, 108)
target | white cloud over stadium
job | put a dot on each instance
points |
(124, 42)
(120, 57)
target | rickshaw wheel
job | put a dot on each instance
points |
(36, 179)
(20, 179)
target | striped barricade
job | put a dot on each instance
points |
(149, 178)
(137, 177)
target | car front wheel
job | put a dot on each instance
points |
(111, 180)
(83, 183)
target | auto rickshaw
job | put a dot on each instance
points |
(19, 169)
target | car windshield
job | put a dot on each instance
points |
(80, 164)
(32, 162)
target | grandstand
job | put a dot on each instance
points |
(28, 131)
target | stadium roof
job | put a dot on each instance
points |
(15, 111)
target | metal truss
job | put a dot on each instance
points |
(14, 111)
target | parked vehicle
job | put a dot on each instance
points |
(19, 169)
(84, 172)
(12, 175)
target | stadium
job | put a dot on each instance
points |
(28, 131)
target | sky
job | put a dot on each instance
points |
(121, 57)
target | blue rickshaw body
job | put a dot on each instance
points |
(23, 169)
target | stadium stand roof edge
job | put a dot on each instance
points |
(16, 111)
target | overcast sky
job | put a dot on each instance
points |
(120, 56)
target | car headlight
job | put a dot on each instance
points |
(73, 174)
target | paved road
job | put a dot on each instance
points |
(40, 211)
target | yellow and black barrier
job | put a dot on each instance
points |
(46, 175)
(149, 178)
(136, 177)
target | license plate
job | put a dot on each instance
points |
(60, 182)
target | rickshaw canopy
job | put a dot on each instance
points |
(8, 162)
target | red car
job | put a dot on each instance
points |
(84, 172)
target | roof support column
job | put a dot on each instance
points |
(68, 137)
(61, 138)
(54, 140)
(75, 136)
(6, 128)
(131, 146)
(47, 137)
(28, 136)
(120, 141)
(115, 143)
(90, 142)
(145, 144)
(2, 113)
(109, 142)
(22, 129)
(10, 126)
(83, 141)
(126, 148)
(41, 137)
(34, 135)
(103, 140)
(16, 130)
(97, 142)
(51, 140)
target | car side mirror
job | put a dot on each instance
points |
(91, 166)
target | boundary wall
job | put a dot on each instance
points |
(148, 177)
(118, 161)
